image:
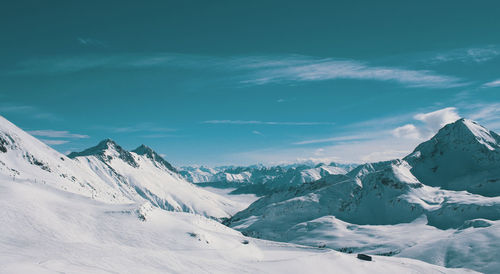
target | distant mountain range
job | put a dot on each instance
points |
(260, 179)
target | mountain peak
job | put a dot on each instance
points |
(106, 144)
(463, 155)
(155, 157)
(143, 149)
(106, 150)
(465, 132)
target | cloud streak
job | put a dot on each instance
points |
(492, 84)
(335, 139)
(54, 142)
(57, 134)
(30, 111)
(256, 132)
(91, 42)
(430, 123)
(146, 127)
(307, 70)
(475, 55)
(247, 70)
(374, 144)
(254, 122)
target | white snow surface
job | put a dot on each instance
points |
(46, 230)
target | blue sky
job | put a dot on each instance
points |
(229, 82)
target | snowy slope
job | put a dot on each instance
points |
(107, 173)
(23, 157)
(385, 194)
(45, 230)
(374, 207)
(152, 178)
(461, 156)
(382, 193)
(473, 245)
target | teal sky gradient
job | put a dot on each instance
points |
(228, 82)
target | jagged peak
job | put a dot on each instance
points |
(468, 128)
(155, 157)
(106, 144)
(461, 133)
(98, 149)
(106, 150)
(144, 150)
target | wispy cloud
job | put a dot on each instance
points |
(248, 70)
(375, 144)
(488, 114)
(91, 42)
(430, 123)
(388, 121)
(330, 69)
(72, 64)
(57, 134)
(335, 139)
(254, 122)
(485, 111)
(475, 55)
(49, 133)
(158, 136)
(492, 84)
(28, 111)
(256, 132)
(15, 108)
(141, 127)
(54, 142)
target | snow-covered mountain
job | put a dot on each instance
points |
(375, 201)
(198, 174)
(461, 156)
(107, 173)
(376, 194)
(103, 211)
(24, 157)
(259, 179)
(151, 178)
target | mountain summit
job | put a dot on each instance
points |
(155, 157)
(106, 150)
(462, 156)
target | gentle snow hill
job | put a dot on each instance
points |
(473, 245)
(461, 156)
(107, 173)
(45, 230)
